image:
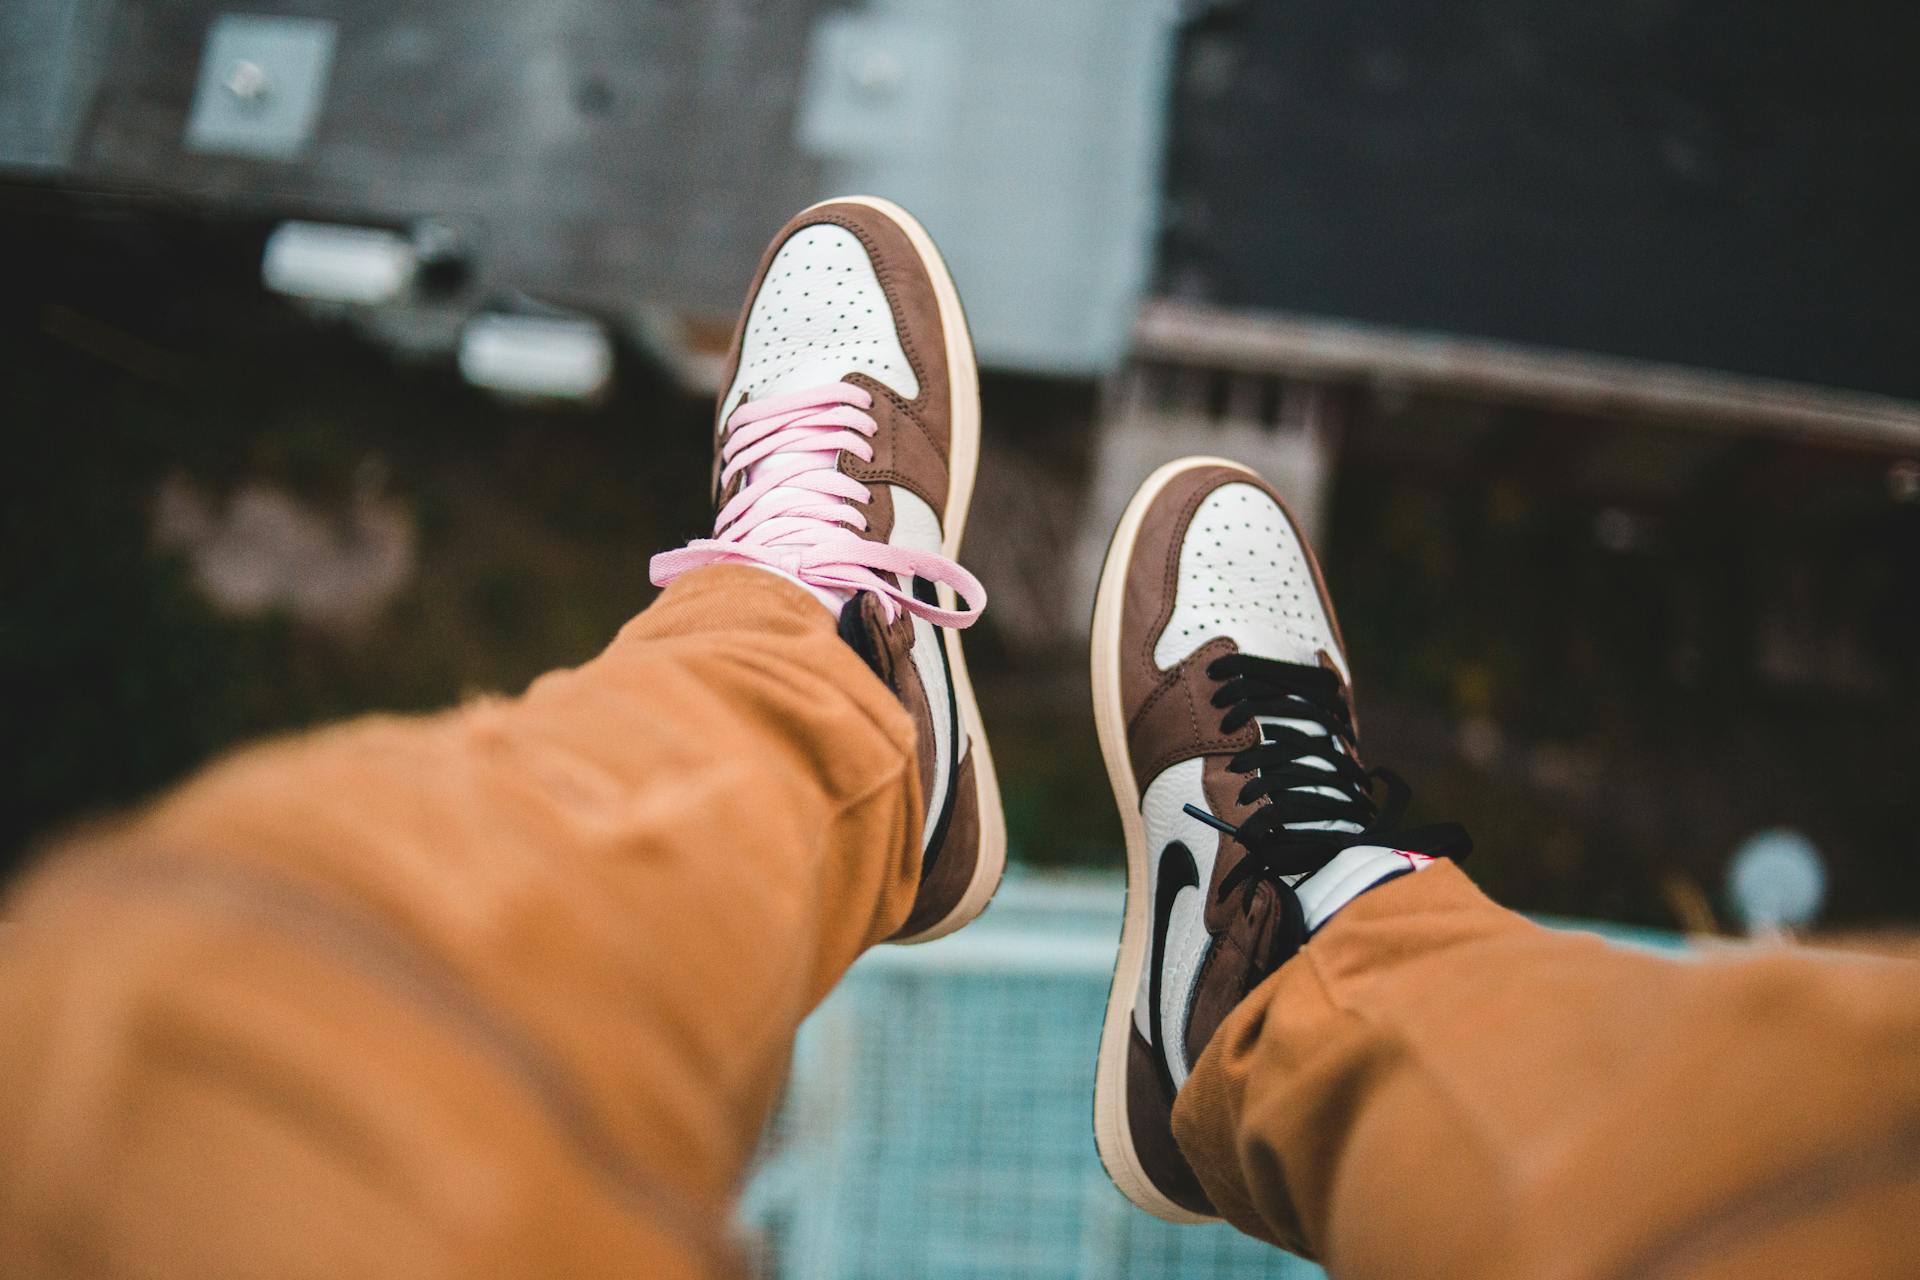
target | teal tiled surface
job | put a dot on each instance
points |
(939, 1121)
(938, 1125)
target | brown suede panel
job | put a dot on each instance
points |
(949, 867)
(1150, 1125)
(904, 452)
(1244, 931)
(879, 513)
(1222, 787)
(1177, 719)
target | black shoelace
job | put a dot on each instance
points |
(1276, 766)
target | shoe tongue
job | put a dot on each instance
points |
(788, 462)
(1312, 760)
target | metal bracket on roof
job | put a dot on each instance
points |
(262, 81)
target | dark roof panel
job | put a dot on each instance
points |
(1703, 182)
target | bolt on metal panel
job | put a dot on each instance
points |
(262, 83)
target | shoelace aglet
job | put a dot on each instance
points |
(1196, 811)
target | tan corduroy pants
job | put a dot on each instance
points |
(511, 991)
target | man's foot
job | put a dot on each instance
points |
(1221, 696)
(848, 438)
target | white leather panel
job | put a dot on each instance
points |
(915, 525)
(1187, 936)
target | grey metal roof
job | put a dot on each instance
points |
(1027, 137)
(615, 156)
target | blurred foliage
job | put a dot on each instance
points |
(124, 365)
(1616, 672)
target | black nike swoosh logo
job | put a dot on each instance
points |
(1177, 872)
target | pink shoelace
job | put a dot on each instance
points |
(796, 512)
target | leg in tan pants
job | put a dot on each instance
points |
(511, 990)
(506, 990)
(1437, 1087)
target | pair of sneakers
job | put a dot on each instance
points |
(848, 440)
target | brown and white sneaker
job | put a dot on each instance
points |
(1225, 715)
(847, 441)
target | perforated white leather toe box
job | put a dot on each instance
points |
(1244, 575)
(820, 314)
